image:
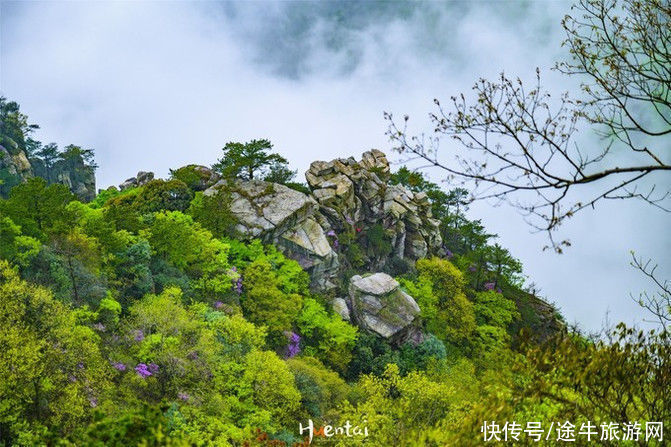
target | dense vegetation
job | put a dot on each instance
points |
(140, 319)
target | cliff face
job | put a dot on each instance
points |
(14, 168)
(17, 167)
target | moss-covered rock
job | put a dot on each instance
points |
(380, 306)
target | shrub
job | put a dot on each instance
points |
(321, 389)
(159, 195)
(330, 337)
(264, 303)
(193, 176)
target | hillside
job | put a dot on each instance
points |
(228, 304)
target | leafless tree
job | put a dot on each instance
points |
(524, 147)
(659, 302)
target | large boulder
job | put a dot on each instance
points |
(288, 218)
(379, 305)
(264, 209)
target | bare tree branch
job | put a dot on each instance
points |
(518, 140)
(659, 302)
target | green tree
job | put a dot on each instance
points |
(196, 177)
(147, 426)
(273, 387)
(81, 259)
(330, 338)
(455, 317)
(52, 374)
(160, 195)
(399, 410)
(321, 389)
(14, 246)
(265, 303)
(37, 208)
(74, 157)
(192, 249)
(132, 275)
(214, 212)
(49, 154)
(253, 160)
(494, 314)
(170, 334)
(623, 377)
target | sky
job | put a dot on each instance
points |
(157, 85)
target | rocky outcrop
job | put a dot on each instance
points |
(15, 164)
(379, 305)
(262, 208)
(142, 178)
(347, 195)
(83, 186)
(16, 167)
(357, 193)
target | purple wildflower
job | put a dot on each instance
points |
(153, 368)
(93, 401)
(498, 290)
(142, 370)
(472, 268)
(119, 366)
(183, 396)
(193, 355)
(349, 220)
(335, 243)
(293, 348)
(139, 335)
(99, 327)
(80, 365)
(237, 286)
(450, 255)
(72, 378)
(218, 305)
(489, 286)
(331, 233)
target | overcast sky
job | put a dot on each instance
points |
(156, 85)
